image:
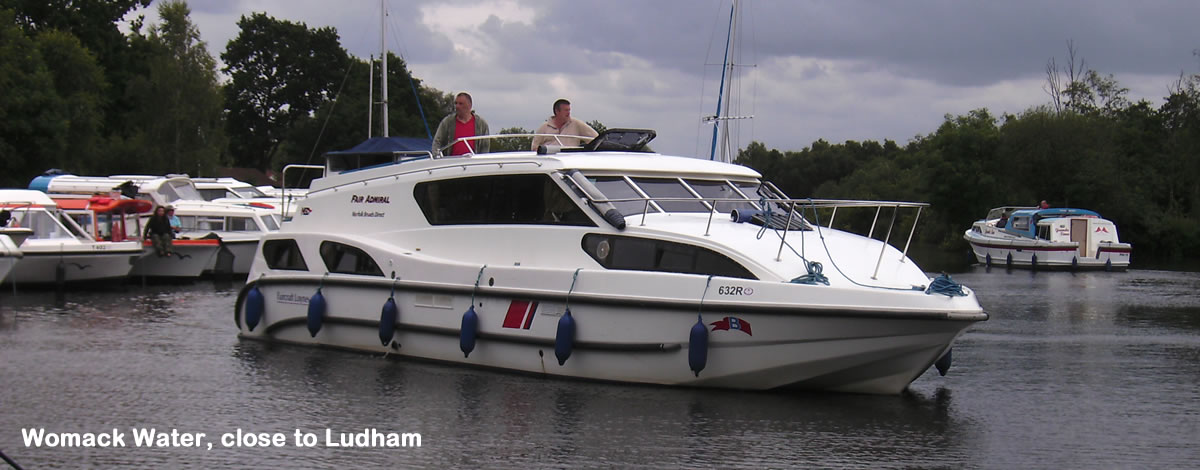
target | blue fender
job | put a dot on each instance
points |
(316, 313)
(564, 340)
(1008, 262)
(254, 307)
(468, 332)
(988, 260)
(943, 363)
(387, 320)
(698, 347)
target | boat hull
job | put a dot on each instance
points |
(756, 348)
(40, 267)
(189, 261)
(1020, 253)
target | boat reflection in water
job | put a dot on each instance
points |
(605, 262)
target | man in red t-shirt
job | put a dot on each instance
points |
(462, 123)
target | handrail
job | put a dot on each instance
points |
(791, 204)
(283, 195)
(471, 149)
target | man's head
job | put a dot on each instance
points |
(462, 104)
(562, 110)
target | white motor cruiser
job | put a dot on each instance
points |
(58, 249)
(605, 263)
(238, 226)
(116, 219)
(1052, 238)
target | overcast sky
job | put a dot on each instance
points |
(833, 70)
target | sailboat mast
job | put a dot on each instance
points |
(371, 97)
(383, 61)
(712, 154)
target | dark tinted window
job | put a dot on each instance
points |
(615, 187)
(501, 199)
(346, 259)
(670, 188)
(645, 254)
(719, 190)
(283, 254)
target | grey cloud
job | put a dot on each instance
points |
(951, 43)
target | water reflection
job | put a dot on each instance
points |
(1077, 370)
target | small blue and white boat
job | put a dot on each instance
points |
(1055, 238)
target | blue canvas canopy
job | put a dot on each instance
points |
(378, 151)
(376, 145)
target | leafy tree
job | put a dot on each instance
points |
(342, 122)
(177, 109)
(512, 144)
(95, 24)
(33, 117)
(281, 73)
(79, 82)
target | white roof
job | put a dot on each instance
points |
(25, 195)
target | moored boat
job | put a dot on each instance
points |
(1051, 238)
(58, 249)
(238, 226)
(606, 263)
(117, 219)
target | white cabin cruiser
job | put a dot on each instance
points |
(117, 219)
(58, 249)
(1052, 238)
(238, 226)
(606, 263)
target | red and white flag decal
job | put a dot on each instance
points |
(520, 314)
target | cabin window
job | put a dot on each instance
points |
(346, 259)
(283, 254)
(645, 254)
(242, 224)
(615, 187)
(269, 222)
(44, 225)
(211, 194)
(720, 190)
(1020, 223)
(1043, 232)
(499, 199)
(203, 223)
(664, 189)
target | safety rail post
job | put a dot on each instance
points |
(644, 211)
(831, 216)
(710, 216)
(904, 255)
(886, 239)
(786, 228)
(283, 196)
(876, 219)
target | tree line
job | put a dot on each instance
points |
(84, 96)
(1089, 147)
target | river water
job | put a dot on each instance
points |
(1089, 370)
